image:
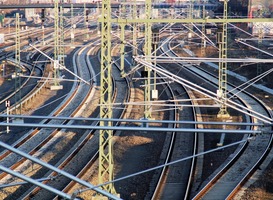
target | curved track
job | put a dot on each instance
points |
(243, 163)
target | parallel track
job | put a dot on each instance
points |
(240, 167)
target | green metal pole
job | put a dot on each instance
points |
(203, 44)
(260, 40)
(122, 49)
(135, 30)
(72, 25)
(222, 91)
(61, 47)
(56, 43)
(106, 164)
(148, 52)
(18, 110)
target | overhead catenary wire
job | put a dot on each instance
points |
(131, 120)
(135, 128)
(59, 171)
(206, 92)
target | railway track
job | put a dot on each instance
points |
(164, 183)
(45, 136)
(89, 166)
(87, 135)
(181, 145)
(230, 178)
(79, 144)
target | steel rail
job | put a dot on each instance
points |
(67, 159)
(164, 171)
(236, 157)
(84, 140)
(158, 193)
(243, 145)
(35, 132)
(42, 163)
(94, 158)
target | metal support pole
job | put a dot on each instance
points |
(57, 36)
(148, 52)
(61, 47)
(106, 165)
(56, 29)
(135, 32)
(7, 106)
(222, 91)
(86, 13)
(190, 16)
(122, 49)
(72, 26)
(43, 28)
(155, 41)
(43, 34)
(18, 109)
(154, 61)
(4, 68)
(203, 42)
(260, 40)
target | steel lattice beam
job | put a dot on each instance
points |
(222, 86)
(72, 25)
(135, 32)
(56, 41)
(18, 69)
(106, 136)
(148, 52)
(198, 20)
(203, 42)
(61, 34)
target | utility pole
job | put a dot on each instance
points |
(17, 77)
(106, 164)
(122, 49)
(190, 16)
(260, 40)
(43, 27)
(86, 15)
(222, 90)
(61, 53)
(57, 36)
(148, 51)
(155, 35)
(72, 26)
(135, 32)
(203, 41)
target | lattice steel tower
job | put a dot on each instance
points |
(222, 90)
(148, 52)
(106, 136)
(61, 34)
(18, 106)
(57, 37)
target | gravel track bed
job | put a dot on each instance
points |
(53, 145)
(260, 189)
(91, 147)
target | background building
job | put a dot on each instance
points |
(261, 9)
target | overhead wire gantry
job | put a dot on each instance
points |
(106, 85)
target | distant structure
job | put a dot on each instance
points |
(261, 9)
